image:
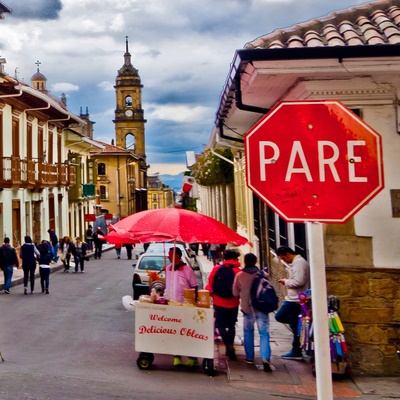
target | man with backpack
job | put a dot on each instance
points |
(298, 281)
(242, 288)
(226, 305)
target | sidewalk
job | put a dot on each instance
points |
(18, 275)
(291, 379)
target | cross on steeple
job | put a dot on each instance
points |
(37, 64)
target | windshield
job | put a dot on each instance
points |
(154, 263)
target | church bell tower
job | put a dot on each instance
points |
(129, 119)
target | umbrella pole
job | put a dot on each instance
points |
(171, 295)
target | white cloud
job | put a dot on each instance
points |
(106, 86)
(177, 112)
(64, 87)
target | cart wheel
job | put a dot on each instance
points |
(145, 360)
(208, 366)
(150, 356)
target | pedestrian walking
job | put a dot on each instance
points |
(215, 254)
(118, 247)
(46, 255)
(242, 288)
(226, 305)
(298, 281)
(29, 255)
(129, 248)
(98, 242)
(80, 255)
(67, 249)
(8, 260)
(54, 244)
(89, 238)
(205, 247)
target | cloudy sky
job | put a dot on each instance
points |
(182, 49)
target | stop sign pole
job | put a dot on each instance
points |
(315, 162)
(323, 367)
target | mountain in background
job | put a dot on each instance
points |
(173, 181)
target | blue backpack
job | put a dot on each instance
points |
(262, 294)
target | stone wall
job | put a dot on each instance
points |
(370, 313)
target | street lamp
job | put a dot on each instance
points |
(158, 188)
(117, 187)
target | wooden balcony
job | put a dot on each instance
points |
(34, 174)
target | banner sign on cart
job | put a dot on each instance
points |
(176, 330)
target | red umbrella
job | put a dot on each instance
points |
(121, 238)
(174, 224)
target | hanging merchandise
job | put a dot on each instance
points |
(337, 342)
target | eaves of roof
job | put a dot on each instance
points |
(370, 31)
(4, 9)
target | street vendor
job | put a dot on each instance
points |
(181, 277)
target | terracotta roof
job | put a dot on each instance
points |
(374, 23)
(112, 149)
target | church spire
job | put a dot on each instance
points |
(127, 55)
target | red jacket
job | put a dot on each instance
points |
(221, 301)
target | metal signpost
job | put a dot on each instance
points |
(315, 162)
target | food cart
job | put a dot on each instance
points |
(175, 330)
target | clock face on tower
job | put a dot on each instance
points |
(129, 113)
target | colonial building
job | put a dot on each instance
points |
(121, 167)
(34, 173)
(158, 194)
(352, 56)
(118, 181)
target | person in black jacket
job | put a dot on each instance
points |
(8, 259)
(80, 254)
(98, 242)
(46, 255)
(29, 255)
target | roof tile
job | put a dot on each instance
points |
(377, 22)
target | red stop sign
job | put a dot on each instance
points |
(314, 161)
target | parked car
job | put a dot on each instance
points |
(188, 256)
(150, 262)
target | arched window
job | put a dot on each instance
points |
(128, 101)
(130, 141)
(101, 169)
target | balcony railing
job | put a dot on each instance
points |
(22, 173)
